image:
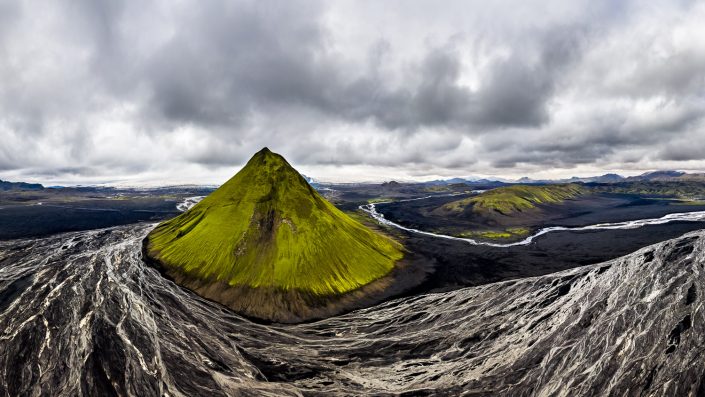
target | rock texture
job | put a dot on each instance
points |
(80, 314)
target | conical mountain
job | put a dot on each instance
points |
(269, 246)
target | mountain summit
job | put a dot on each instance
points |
(267, 245)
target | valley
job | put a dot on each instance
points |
(481, 216)
(490, 316)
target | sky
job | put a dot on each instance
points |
(166, 92)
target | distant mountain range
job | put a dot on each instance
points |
(662, 176)
(467, 181)
(666, 176)
(4, 185)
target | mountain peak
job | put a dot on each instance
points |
(263, 152)
(265, 161)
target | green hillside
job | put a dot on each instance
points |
(517, 198)
(682, 188)
(266, 228)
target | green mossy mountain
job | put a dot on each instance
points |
(514, 199)
(268, 245)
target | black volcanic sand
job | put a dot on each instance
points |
(460, 264)
(22, 221)
(360, 193)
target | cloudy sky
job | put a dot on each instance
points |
(185, 91)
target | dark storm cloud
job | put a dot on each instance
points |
(126, 85)
(236, 58)
(250, 58)
(513, 94)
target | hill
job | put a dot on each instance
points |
(267, 245)
(517, 198)
(683, 187)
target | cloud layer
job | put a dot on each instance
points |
(357, 90)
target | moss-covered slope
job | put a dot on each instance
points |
(518, 198)
(686, 187)
(268, 233)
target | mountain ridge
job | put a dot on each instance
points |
(7, 185)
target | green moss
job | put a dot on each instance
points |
(266, 227)
(361, 217)
(690, 202)
(495, 235)
(692, 189)
(519, 231)
(379, 200)
(517, 198)
(437, 188)
(512, 232)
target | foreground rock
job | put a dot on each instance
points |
(267, 245)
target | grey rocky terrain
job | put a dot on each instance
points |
(80, 314)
